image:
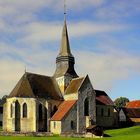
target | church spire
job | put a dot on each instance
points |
(65, 60)
(65, 46)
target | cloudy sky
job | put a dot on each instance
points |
(104, 37)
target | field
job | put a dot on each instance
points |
(132, 133)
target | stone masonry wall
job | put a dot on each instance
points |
(68, 119)
(26, 124)
(103, 118)
(86, 91)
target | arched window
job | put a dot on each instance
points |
(40, 112)
(24, 110)
(72, 125)
(86, 107)
(11, 111)
(17, 116)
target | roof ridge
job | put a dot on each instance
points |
(82, 82)
(30, 85)
(38, 74)
(99, 90)
(78, 78)
(20, 83)
(134, 101)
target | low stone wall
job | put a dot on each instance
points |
(34, 134)
(48, 134)
(80, 135)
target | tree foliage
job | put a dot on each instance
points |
(121, 102)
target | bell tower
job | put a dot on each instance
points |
(65, 61)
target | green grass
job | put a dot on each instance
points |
(132, 133)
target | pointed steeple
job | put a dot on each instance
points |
(65, 60)
(65, 45)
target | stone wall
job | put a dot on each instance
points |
(122, 116)
(55, 127)
(70, 118)
(31, 123)
(67, 125)
(86, 91)
(104, 118)
(25, 124)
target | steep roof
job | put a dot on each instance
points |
(74, 85)
(65, 60)
(34, 85)
(102, 98)
(65, 46)
(133, 104)
(63, 109)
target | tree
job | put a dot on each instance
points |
(121, 102)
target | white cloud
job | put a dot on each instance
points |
(11, 71)
(106, 69)
(118, 9)
(38, 32)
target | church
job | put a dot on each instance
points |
(64, 102)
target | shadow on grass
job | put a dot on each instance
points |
(106, 135)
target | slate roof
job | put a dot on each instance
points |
(102, 98)
(74, 85)
(65, 46)
(36, 86)
(132, 112)
(133, 104)
(63, 109)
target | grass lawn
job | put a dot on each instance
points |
(132, 133)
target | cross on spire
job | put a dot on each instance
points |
(65, 12)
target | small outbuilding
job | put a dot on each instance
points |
(96, 130)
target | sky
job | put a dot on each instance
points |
(104, 38)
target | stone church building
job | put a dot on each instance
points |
(64, 102)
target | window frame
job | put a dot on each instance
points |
(24, 111)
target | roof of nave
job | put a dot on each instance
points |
(74, 85)
(133, 104)
(63, 109)
(102, 98)
(38, 86)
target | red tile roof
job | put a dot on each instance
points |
(102, 98)
(63, 109)
(133, 104)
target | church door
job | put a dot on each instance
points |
(17, 116)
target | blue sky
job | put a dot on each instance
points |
(104, 37)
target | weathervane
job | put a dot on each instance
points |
(65, 12)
